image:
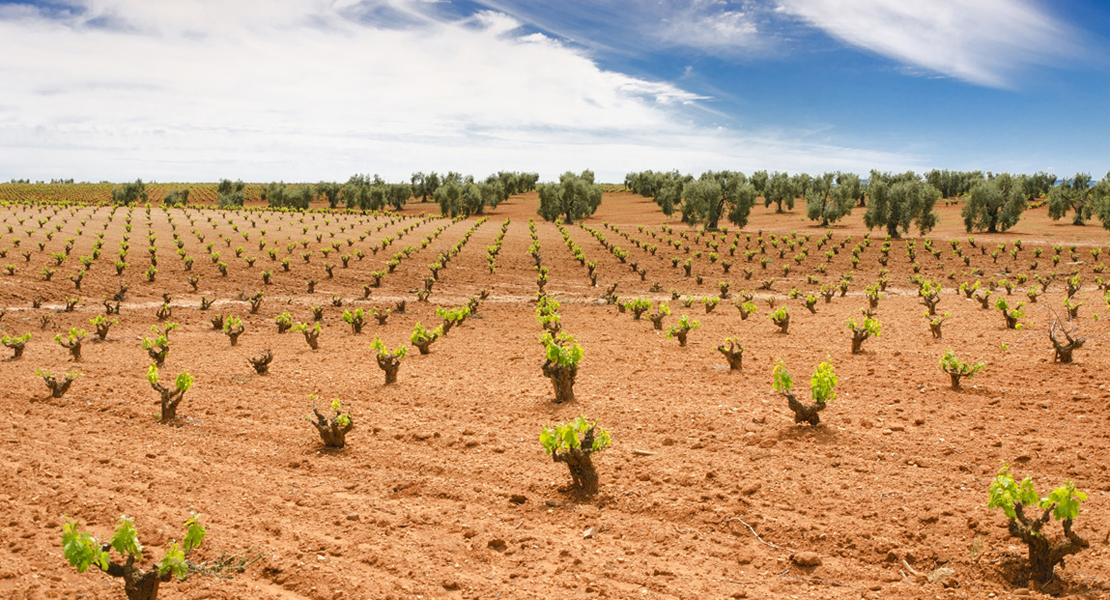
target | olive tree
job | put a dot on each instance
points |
(1074, 195)
(829, 203)
(759, 181)
(1102, 200)
(229, 194)
(953, 183)
(1038, 184)
(449, 197)
(574, 197)
(669, 194)
(299, 197)
(898, 201)
(397, 194)
(424, 185)
(496, 189)
(130, 192)
(176, 197)
(707, 198)
(780, 189)
(356, 192)
(457, 197)
(330, 191)
(995, 204)
(516, 183)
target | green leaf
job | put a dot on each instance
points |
(822, 383)
(194, 533)
(184, 381)
(81, 549)
(1067, 500)
(783, 381)
(174, 562)
(125, 541)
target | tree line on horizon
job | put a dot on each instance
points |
(455, 193)
(896, 202)
(992, 202)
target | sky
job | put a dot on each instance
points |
(313, 90)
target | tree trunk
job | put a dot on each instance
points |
(735, 359)
(857, 342)
(391, 373)
(57, 390)
(170, 400)
(802, 412)
(138, 584)
(331, 433)
(1044, 555)
(936, 330)
(955, 380)
(581, 470)
(562, 378)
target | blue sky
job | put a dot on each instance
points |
(304, 90)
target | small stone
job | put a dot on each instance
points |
(518, 499)
(943, 575)
(352, 517)
(751, 488)
(450, 584)
(589, 533)
(1021, 592)
(806, 559)
(498, 544)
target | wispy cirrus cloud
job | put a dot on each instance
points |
(718, 27)
(311, 89)
(985, 42)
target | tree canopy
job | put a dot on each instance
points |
(898, 201)
(130, 192)
(330, 191)
(780, 189)
(707, 198)
(1102, 200)
(995, 204)
(953, 183)
(230, 194)
(1073, 194)
(574, 197)
(827, 201)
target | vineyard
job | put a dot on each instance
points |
(376, 404)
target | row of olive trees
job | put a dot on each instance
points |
(455, 194)
(732, 194)
(458, 195)
(425, 185)
(895, 202)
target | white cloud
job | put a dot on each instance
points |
(712, 26)
(303, 90)
(981, 41)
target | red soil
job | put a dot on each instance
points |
(444, 490)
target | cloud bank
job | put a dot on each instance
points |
(303, 90)
(985, 42)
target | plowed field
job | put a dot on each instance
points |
(709, 490)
